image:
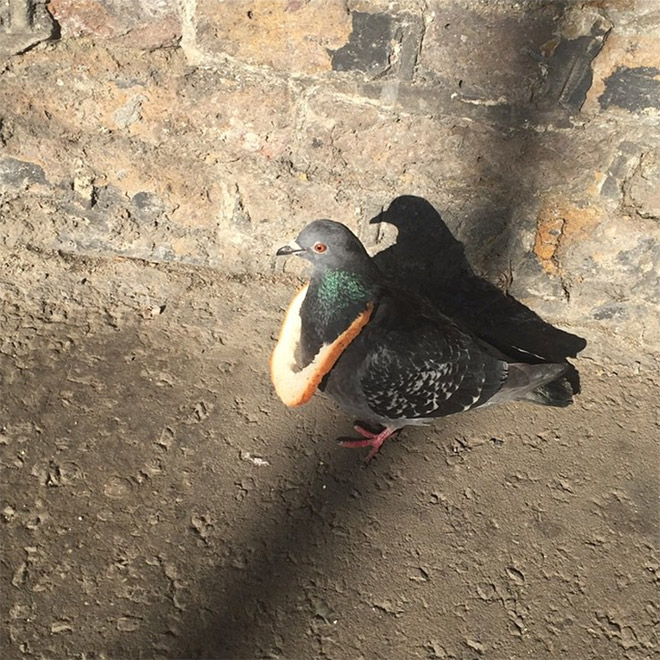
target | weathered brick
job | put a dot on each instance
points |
(526, 55)
(642, 190)
(76, 96)
(368, 48)
(626, 75)
(490, 56)
(291, 35)
(23, 24)
(559, 224)
(17, 175)
(629, 16)
(241, 117)
(147, 24)
(635, 89)
(612, 259)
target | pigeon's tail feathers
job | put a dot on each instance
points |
(558, 393)
(544, 384)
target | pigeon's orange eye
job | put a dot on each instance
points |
(320, 247)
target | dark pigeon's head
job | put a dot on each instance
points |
(328, 244)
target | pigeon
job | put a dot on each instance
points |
(387, 357)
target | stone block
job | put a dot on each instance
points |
(147, 25)
(630, 180)
(605, 266)
(569, 57)
(642, 189)
(291, 35)
(96, 94)
(626, 75)
(381, 44)
(237, 118)
(631, 17)
(18, 176)
(591, 257)
(535, 57)
(23, 24)
(559, 225)
(635, 89)
(488, 55)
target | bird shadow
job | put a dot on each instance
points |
(428, 260)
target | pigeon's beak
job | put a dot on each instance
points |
(290, 248)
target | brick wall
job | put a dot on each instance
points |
(206, 132)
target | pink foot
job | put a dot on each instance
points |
(373, 440)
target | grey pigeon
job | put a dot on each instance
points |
(384, 355)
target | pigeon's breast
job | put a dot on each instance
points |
(296, 383)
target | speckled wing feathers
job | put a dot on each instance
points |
(426, 371)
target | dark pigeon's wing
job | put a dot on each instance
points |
(420, 365)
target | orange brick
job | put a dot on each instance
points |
(292, 36)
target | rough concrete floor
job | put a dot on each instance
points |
(159, 501)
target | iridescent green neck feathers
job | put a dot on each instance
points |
(339, 291)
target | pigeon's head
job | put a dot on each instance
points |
(328, 244)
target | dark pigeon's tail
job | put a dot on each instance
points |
(545, 384)
(558, 393)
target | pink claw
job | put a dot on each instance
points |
(373, 440)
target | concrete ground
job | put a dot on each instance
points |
(159, 501)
